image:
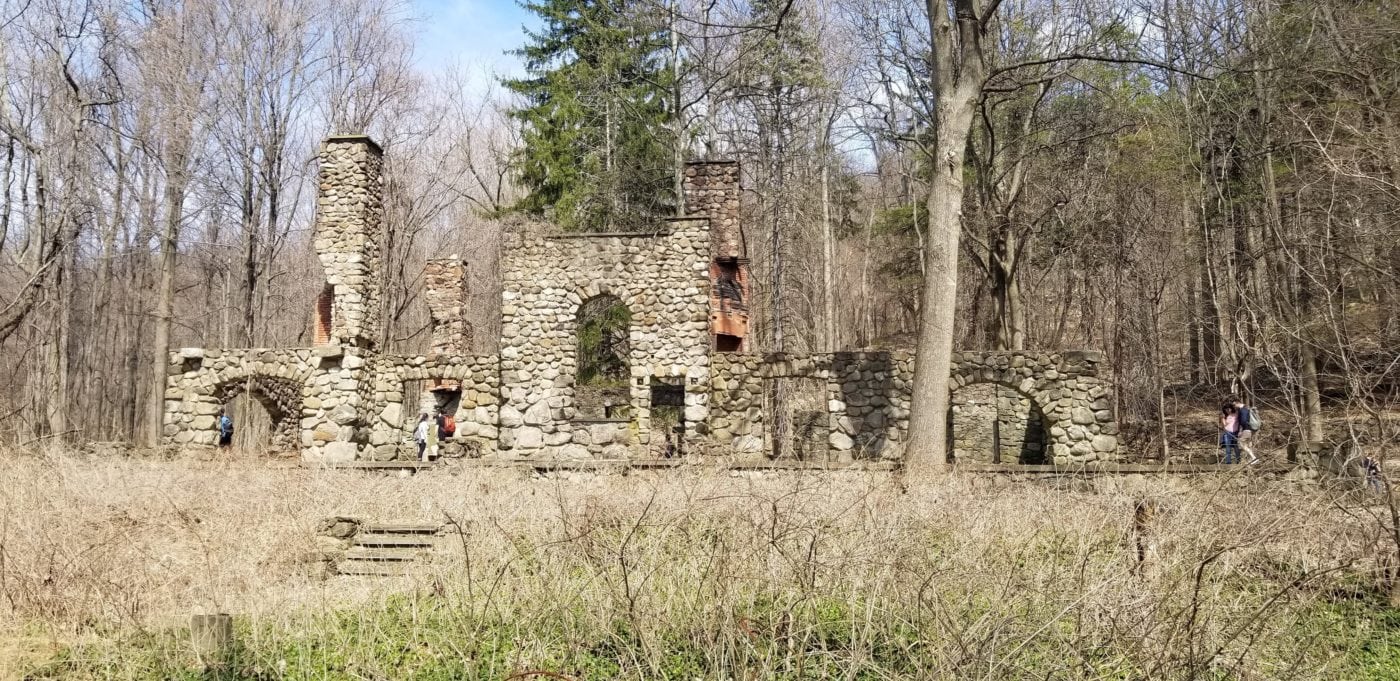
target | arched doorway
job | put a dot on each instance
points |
(265, 412)
(601, 386)
(994, 423)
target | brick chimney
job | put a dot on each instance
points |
(712, 191)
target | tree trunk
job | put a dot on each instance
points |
(165, 301)
(828, 285)
(928, 424)
(1312, 396)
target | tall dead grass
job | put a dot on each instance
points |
(687, 574)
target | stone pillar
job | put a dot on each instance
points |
(712, 192)
(349, 209)
(445, 289)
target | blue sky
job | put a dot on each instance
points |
(472, 33)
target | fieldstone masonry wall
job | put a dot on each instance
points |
(661, 278)
(344, 401)
(867, 406)
(870, 392)
(995, 424)
(712, 192)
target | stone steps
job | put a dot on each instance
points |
(388, 549)
(383, 555)
(395, 540)
(372, 569)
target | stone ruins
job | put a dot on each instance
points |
(692, 386)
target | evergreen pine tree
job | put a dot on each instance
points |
(597, 145)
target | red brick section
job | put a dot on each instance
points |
(321, 334)
(712, 191)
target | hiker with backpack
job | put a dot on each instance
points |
(447, 426)
(1247, 425)
(1371, 468)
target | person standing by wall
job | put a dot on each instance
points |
(225, 431)
(434, 428)
(1229, 434)
(1248, 423)
(420, 435)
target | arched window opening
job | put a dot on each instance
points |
(601, 387)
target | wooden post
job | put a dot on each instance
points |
(211, 636)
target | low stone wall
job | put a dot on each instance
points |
(1057, 395)
(867, 400)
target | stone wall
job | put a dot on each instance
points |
(349, 210)
(995, 424)
(661, 278)
(312, 390)
(1066, 389)
(474, 378)
(343, 400)
(869, 397)
(867, 401)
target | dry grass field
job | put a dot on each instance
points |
(686, 574)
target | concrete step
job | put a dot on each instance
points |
(368, 568)
(400, 528)
(395, 540)
(402, 555)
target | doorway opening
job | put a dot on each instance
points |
(667, 417)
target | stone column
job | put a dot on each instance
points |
(349, 209)
(445, 289)
(712, 191)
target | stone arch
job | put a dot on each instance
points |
(993, 422)
(281, 397)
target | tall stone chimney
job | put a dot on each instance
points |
(712, 191)
(349, 209)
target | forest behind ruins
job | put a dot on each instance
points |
(1206, 191)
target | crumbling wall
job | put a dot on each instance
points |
(992, 423)
(867, 396)
(662, 280)
(445, 291)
